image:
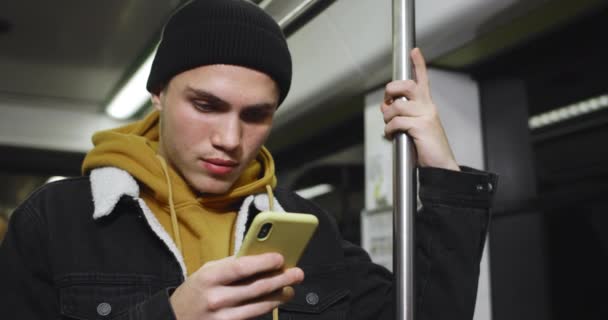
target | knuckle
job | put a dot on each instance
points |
(384, 111)
(387, 132)
(277, 260)
(389, 124)
(388, 129)
(214, 302)
(388, 87)
(394, 127)
(387, 117)
(239, 268)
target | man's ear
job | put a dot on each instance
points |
(156, 100)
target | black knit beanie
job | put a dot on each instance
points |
(233, 32)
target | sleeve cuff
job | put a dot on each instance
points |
(469, 187)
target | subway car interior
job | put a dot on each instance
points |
(520, 86)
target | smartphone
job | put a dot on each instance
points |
(281, 232)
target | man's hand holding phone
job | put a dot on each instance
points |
(255, 282)
(236, 288)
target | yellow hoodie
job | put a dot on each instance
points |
(203, 224)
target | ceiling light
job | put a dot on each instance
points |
(315, 191)
(299, 10)
(554, 116)
(585, 107)
(133, 95)
(594, 104)
(55, 178)
(262, 3)
(563, 113)
(568, 112)
(534, 122)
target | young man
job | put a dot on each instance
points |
(150, 231)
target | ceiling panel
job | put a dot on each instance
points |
(75, 50)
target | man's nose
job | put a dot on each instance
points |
(228, 134)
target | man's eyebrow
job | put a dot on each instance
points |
(211, 98)
(261, 106)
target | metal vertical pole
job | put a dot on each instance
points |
(404, 163)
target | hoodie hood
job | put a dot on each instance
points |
(133, 148)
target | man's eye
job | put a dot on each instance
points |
(201, 106)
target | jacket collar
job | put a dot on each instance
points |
(109, 184)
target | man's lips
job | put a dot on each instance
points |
(221, 162)
(219, 166)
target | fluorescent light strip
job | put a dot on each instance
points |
(55, 178)
(315, 191)
(296, 12)
(568, 112)
(133, 96)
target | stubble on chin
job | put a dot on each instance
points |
(210, 185)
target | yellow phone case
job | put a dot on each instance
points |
(288, 236)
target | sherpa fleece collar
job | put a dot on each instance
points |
(109, 184)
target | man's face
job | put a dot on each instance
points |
(214, 120)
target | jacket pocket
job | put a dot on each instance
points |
(322, 296)
(100, 296)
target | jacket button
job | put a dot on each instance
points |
(312, 298)
(104, 309)
(479, 187)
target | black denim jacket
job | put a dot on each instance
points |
(57, 262)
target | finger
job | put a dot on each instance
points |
(397, 125)
(420, 70)
(400, 88)
(228, 296)
(282, 295)
(404, 108)
(231, 269)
